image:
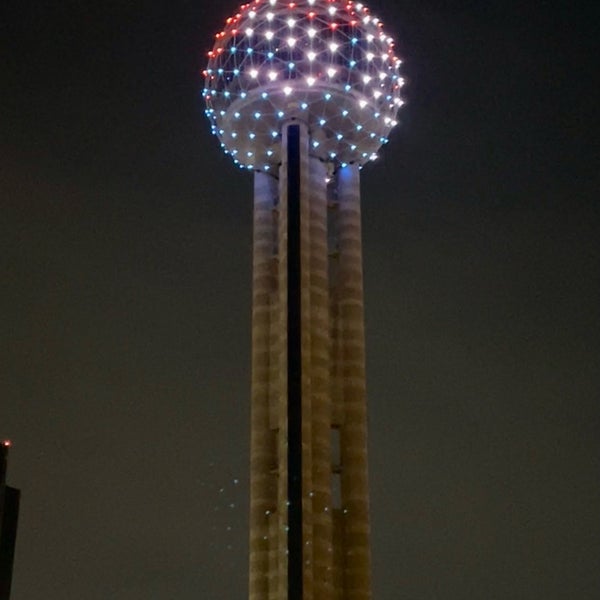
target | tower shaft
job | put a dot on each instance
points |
(309, 524)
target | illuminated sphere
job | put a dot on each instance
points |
(325, 62)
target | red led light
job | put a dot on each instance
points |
(7, 443)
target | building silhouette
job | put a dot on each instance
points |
(9, 512)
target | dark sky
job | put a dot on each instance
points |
(125, 240)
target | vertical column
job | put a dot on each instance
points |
(262, 495)
(321, 541)
(355, 491)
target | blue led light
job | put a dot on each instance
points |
(344, 113)
(291, 65)
(257, 115)
(322, 122)
(327, 96)
(264, 95)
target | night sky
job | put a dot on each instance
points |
(125, 241)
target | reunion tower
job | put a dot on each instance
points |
(303, 94)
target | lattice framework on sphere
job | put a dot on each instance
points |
(326, 62)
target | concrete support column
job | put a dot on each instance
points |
(262, 489)
(354, 429)
(321, 538)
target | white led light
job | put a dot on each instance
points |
(370, 56)
(287, 90)
(311, 32)
(377, 94)
(291, 22)
(333, 46)
(291, 42)
(249, 32)
(252, 14)
(253, 73)
(331, 71)
(332, 10)
(270, 16)
(311, 55)
(366, 78)
(310, 81)
(269, 35)
(272, 75)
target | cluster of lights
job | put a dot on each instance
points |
(327, 62)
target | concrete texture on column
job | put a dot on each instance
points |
(355, 499)
(321, 539)
(262, 481)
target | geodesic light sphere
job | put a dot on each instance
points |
(325, 62)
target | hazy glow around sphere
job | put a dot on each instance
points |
(326, 62)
